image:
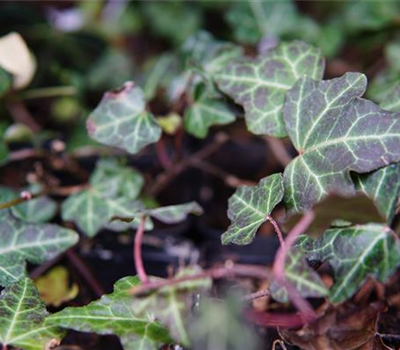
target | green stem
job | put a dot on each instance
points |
(53, 91)
(20, 200)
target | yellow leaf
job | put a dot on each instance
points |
(54, 287)
(16, 59)
(170, 123)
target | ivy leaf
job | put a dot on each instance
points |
(171, 214)
(133, 319)
(252, 20)
(208, 55)
(38, 210)
(335, 132)
(113, 192)
(36, 243)
(248, 209)
(23, 318)
(204, 113)
(5, 82)
(383, 185)
(355, 253)
(120, 120)
(260, 85)
(91, 211)
(335, 207)
(301, 276)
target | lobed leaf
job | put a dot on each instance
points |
(260, 85)
(335, 132)
(305, 279)
(140, 322)
(248, 209)
(21, 242)
(23, 318)
(355, 253)
(120, 120)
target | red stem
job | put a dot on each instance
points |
(301, 304)
(137, 252)
(277, 230)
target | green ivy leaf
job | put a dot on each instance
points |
(260, 85)
(204, 113)
(23, 318)
(355, 253)
(113, 192)
(208, 55)
(335, 132)
(36, 243)
(120, 120)
(392, 100)
(252, 20)
(5, 81)
(301, 276)
(248, 209)
(139, 321)
(171, 214)
(38, 210)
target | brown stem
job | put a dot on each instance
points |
(269, 319)
(20, 114)
(256, 295)
(137, 252)
(163, 179)
(279, 150)
(162, 154)
(21, 199)
(229, 270)
(277, 229)
(80, 265)
(40, 270)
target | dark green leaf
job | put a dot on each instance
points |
(23, 318)
(120, 120)
(301, 276)
(355, 253)
(36, 243)
(5, 81)
(335, 132)
(248, 209)
(260, 85)
(358, 209)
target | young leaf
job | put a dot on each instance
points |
(23, 318)
(358, 209)
(171, 214)
(383, 185)
(252, 20)
(91, 210)
(248, 209)
(36, 243)
(355, 253)
(301, 276)
(120, 120)
(260, 85)
(204, 113)
(335, 132)
(133, 319)
(207, 54)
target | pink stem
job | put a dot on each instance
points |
(277, 230)
(137, 252)
(279, 266)
(163, 155)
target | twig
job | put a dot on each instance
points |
(228, 270)
(269, 319)
(279, 150)
(279, 267)
(84, 271)
(256, 295)
(163, 179)
(20, 114)
(229, 179)
(137, 252)
(48, 92)
(25, 154)
(162, 154)
(40, 270)
(277, 229)
(23, 198)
